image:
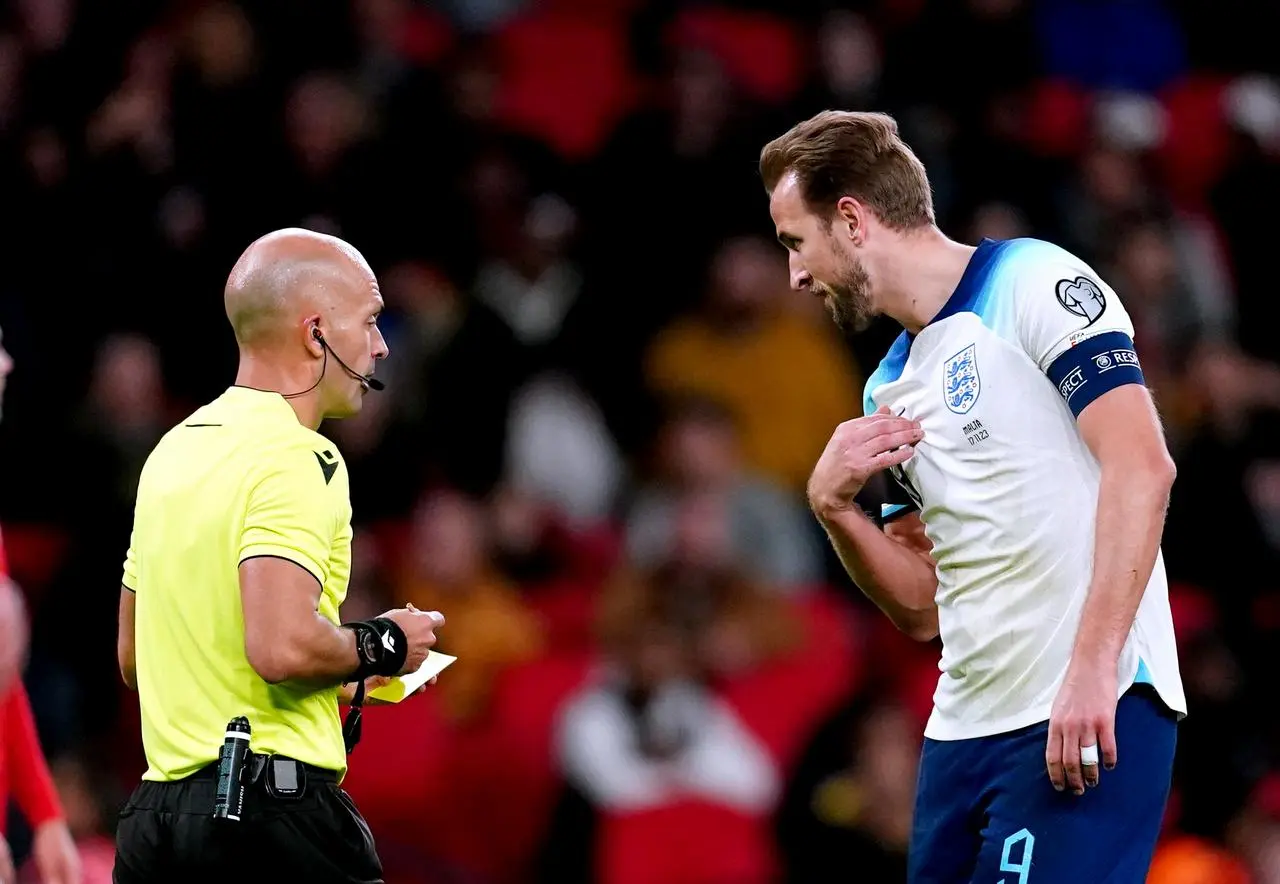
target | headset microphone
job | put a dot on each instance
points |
(367, 380)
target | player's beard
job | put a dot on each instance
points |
(848, 297)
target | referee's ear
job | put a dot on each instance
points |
(314, 336)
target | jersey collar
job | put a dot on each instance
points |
(970, 286)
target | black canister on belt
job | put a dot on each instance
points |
(235, 749)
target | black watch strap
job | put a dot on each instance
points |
(381, 647)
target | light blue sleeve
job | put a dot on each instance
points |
(1048, 301)
(889, 370)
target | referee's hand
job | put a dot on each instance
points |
(419, 630)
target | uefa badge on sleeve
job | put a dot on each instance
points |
(1081, 297)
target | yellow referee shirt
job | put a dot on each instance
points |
(239, 478)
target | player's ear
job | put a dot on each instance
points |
(849, 218)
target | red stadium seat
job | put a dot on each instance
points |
(786, 700)
(427, 37)
(1266, 612)
(567, 80)
(688, 842)
(591, 553)
(761, 52)
(398, 771)
(34, 554)
(1196, 144)
(567, 610)
(606, 9)
(392, 538)
(1193, 609)
(1057, 118)
(502, 780)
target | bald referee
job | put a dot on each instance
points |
(237, 567)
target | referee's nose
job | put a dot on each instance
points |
(380, 348)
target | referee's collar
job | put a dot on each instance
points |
(265, 400)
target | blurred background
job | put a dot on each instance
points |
(603, 403)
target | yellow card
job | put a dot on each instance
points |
(403, 685)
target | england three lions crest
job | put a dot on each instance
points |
(960, 381)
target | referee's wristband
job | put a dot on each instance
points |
(381, 647)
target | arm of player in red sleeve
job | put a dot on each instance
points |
(29, 778)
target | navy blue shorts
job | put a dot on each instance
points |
(986, 812)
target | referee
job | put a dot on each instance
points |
(237, 566)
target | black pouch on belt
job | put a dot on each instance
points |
(285, 778)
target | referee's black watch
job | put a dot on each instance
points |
(381, 647)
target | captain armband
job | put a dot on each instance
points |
(1093, 367)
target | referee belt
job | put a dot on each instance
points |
(255, 765)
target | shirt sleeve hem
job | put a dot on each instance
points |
(300, 559)
(891, 512)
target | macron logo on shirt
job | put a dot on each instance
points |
(328, 464)
(389, 642)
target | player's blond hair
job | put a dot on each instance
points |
(847, 153)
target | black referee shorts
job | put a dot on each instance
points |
(167, 835)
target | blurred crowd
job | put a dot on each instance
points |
(602, 401)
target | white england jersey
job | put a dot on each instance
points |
(1006, 486)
